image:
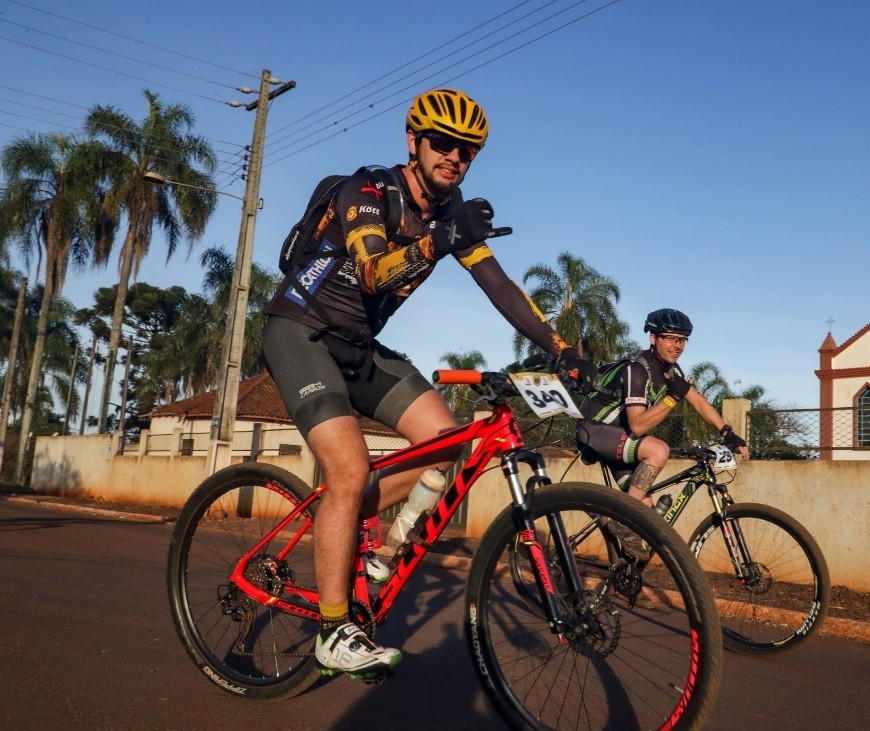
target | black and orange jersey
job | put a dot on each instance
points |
(365, 278)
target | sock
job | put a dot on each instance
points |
(332, 616)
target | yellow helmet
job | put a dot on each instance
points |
(451, 112)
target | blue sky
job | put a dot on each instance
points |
(709, 156)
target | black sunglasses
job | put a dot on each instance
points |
(444, 145)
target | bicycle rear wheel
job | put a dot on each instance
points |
(245, 647)
(787, 592)
(618, 666)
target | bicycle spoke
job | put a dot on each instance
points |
(785, 590)
(618, 665)
(246, 645)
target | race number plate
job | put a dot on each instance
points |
(545, 394)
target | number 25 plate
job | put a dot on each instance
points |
(544, 393)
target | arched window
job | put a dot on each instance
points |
(863, 409)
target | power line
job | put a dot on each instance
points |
(111, 53)
(447, 80)
(110, 70)
(435, 74)
(135, 40)
(405, 65)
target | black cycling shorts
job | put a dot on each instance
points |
(611, 444)
(328, 377)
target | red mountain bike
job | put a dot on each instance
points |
(561, 655)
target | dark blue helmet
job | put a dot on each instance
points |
(667, 321)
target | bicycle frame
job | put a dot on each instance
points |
(499, 436)
(694, 477)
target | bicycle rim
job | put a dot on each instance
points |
(619, 666)
(787, 590)
(242, 645)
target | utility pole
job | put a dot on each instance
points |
(72, 380)
(123, 416)
(10, 370)
(88, 385)
(227, 390)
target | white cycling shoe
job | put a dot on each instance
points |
(349, 650)
(376, 570)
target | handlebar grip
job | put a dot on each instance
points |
(502, 231)
(457, 377)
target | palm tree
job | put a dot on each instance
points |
(50, 205)
(580, 304)
(161, 143)
(456, 397)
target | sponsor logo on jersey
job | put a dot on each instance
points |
(376, 189)
(351, 213)
(314, 274)
(369, 209)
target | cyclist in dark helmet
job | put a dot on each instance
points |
(636, 395)
(320, 345)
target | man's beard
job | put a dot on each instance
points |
(436, 188)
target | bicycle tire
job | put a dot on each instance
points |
(788, 595)
(642, 668)
(245, 647)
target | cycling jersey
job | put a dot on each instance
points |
(605, 430)
(371, 277)
(639, 382)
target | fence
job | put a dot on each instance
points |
(809, 433)
(799, 434)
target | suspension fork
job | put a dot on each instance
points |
(523, 498)
(732, 534)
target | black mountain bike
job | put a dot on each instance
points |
(769, 577)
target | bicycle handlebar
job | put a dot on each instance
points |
(445, 377)
(700, 453)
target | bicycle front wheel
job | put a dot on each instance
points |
(783, 598)
(245, 646)
(617, 665)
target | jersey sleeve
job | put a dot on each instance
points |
(636, 379)
(507, 297)
(379, 265)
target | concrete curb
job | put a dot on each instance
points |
(116, 514)
(849, 629)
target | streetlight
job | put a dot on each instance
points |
(158, 179)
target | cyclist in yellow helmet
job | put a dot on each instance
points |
(320, 339)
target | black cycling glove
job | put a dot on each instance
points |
(731, 440)
(677, 386)
(583, 371)
(466, 223)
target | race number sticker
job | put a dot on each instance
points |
(545, 394)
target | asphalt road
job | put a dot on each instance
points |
(86, 642)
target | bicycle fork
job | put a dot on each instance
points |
(523, 497)
(732, 534)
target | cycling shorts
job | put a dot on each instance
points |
(611, 444)
(330, 376)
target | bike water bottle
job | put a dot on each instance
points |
(664, 504)
(423, 497)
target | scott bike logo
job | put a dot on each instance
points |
(223, 683)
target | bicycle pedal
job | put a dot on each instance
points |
(371, 678)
